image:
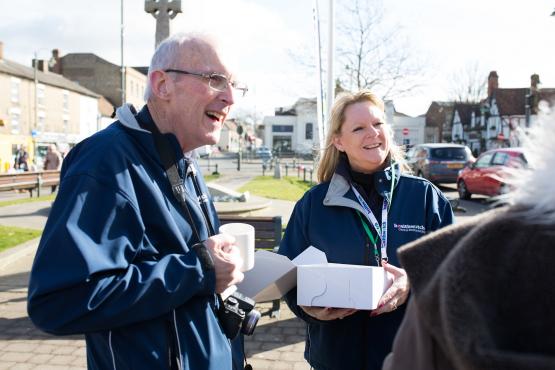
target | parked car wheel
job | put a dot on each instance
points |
(463, 190)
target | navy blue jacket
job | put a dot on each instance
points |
(326, 218)
(115, 263)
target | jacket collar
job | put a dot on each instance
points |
(127, 115)
(339, 191)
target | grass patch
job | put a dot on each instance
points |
(287, 188)
(211, 177)
(11, 236)
(27, 200)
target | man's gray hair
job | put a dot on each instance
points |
(169, 51)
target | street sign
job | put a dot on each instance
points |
(405, 131)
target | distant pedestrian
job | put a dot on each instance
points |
(52, 161)
(21, 159)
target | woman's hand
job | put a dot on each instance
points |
(397, 293)
(328, 313)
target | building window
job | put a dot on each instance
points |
(40, 94)
(308, 134)
(282, 128)
(65, 100)
(15, 89)
(14, 120)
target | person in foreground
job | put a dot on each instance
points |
(486, 295)
(122, 259)
(361, 180)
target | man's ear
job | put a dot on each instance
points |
(161, 84)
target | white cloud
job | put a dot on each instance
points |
(511, 37)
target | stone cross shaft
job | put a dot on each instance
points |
(162, 11)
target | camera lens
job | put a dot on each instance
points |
(249, 322)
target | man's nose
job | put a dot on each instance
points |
(228, 95)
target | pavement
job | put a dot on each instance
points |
(278, 343)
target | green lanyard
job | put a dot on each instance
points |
(372, 238)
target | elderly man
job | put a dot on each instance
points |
(128, 256)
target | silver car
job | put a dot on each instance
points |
(439, 163)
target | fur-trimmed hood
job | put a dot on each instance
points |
(485, 291)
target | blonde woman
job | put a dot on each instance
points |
(362, 182)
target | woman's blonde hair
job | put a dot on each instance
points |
(330, 157)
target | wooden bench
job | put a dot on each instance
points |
(29, 180)
(267, 236)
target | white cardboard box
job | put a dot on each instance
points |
(318, 283)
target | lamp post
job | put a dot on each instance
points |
(122, 64)
(35, 125)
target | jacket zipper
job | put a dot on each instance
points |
(111, 349)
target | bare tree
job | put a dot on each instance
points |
(374, 55)
(468, 85)
(247, 116)
(370, 54)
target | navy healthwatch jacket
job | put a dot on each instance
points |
(326, 218)
(114, 261)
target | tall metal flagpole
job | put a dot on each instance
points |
(122, 65)
(330, 95)
(320, 95)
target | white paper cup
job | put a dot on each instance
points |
(244, 239)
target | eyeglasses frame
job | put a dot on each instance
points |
(210, 78)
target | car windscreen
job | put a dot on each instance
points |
(451, 154)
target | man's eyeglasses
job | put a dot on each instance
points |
(216, 81)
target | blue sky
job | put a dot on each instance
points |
(515, 38)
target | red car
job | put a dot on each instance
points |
(485, 176)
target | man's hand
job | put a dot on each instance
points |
(328, 313)
(227, 261)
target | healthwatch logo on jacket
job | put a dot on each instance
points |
(410, 228)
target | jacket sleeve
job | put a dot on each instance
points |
(439, 211)
(86, 276)
(294, 242)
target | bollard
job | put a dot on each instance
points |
(277, 169)
(263, 169)
(286, 168)
(216, 171)
(304, 174)
(311, 176)
(39, 184)
(239, 161)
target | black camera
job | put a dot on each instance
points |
(236, 314)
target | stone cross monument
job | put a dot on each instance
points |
(162, 11)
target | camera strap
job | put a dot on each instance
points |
(179, 191)
(177, 184)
